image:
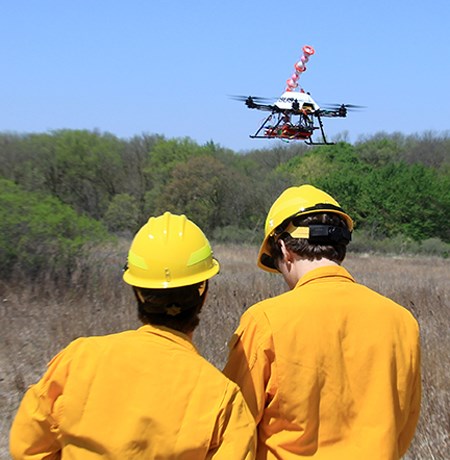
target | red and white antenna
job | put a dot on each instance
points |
(300, 67)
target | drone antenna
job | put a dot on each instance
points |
(300, 67)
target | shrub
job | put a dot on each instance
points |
(399, 244)
(122, 215)
(234, 234)
(39, 233)
(435, 247)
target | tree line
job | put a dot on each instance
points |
(63, 189)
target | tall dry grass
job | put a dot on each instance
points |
(37, 320)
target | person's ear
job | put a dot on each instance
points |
(287, 253)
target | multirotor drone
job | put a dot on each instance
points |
(295, 115)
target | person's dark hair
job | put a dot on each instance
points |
(177, 308)
(302, 247)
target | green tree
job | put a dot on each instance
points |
(211, 193)
(83, 169)
(106, 177)
(163, 158)
(337, 169)
(135, 160)
(39, 233)
(194, 189)
(382, 149)
(412, 200)
(123, 214)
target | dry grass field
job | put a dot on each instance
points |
(38, 320)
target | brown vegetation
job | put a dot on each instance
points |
(37, 320)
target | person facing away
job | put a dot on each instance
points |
(330, 369)
(145, 393)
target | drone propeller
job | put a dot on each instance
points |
(343, 106)
(256, 99)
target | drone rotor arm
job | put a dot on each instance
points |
(266, 107)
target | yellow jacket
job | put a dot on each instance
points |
(330, 370)
(144, 394)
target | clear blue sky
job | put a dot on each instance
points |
(167, 67)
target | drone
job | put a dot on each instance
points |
(295, 115)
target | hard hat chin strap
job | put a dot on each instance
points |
(320, 234)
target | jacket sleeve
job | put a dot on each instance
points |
(250, 361)
(34, 432)
(407, 434)
(235, 432)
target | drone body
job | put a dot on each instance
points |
(295, 115)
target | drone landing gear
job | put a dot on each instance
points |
(322, 131)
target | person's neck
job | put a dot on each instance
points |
(302, 267)
(308, 265)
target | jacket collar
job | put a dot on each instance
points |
(321, 273)
(169, 334)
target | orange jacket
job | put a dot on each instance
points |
(142, 394)
(330, 370)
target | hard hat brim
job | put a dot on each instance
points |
(133, 280)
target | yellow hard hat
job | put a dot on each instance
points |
(169, 251)
(296, 201)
